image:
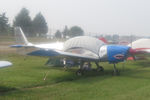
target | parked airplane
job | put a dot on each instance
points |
(79, 49)
(142, 45)
(5, 64)
(142, 48)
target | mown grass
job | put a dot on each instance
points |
(25, 81)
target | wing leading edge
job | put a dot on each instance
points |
(62, 54)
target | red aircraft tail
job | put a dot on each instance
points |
(103, 39)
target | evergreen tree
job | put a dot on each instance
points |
(65, 32)
(39, 24)
(3, 23)
(24, 21)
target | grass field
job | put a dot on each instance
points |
(25, 81)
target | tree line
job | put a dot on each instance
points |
(72, 32)
(4, 25)
(36, 26)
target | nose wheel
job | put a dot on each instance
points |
(116, 71)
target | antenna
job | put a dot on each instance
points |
(131, 40)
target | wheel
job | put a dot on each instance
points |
(79, 72)
(117, 73)
(100, 68)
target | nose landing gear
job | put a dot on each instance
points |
(116, 71)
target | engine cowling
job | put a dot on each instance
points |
(113, 53)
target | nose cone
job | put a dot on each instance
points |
(132, 51)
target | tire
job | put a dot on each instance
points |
(100, 69)
(117, 73)
(79, 72)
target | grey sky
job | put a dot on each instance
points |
(99, 16)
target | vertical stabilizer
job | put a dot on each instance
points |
(20, 36)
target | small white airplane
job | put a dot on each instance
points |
(5, 64)
(142, 48)
(142, 45)
(78, 49)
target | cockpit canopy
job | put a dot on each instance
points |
(89, 43)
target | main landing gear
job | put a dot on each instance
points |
(80, 71)
(87, 67)
(99, 68)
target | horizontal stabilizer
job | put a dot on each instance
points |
(5, 64)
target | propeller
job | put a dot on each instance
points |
(132, 53)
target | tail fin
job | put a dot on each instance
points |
(103, 39)
(20, 36)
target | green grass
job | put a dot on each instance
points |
(24, 81)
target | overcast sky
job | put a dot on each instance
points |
(96, 16)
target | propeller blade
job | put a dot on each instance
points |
(132, 53)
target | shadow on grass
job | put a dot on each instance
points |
(4, 89)
(138, 74)
(143, 63)
(71, 75)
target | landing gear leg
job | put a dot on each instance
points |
(80, 72)
(116, 71)
(99, 68)
(47, 62)
(64, 62)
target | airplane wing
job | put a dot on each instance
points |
(73, 49)
(50, 52)
(5, 64)
(62, 54)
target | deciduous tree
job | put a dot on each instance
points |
(76, 31)
(58, 34)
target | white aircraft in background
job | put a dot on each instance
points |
(142, 48)
(78, 49)
(142, 45)
(5, 64)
